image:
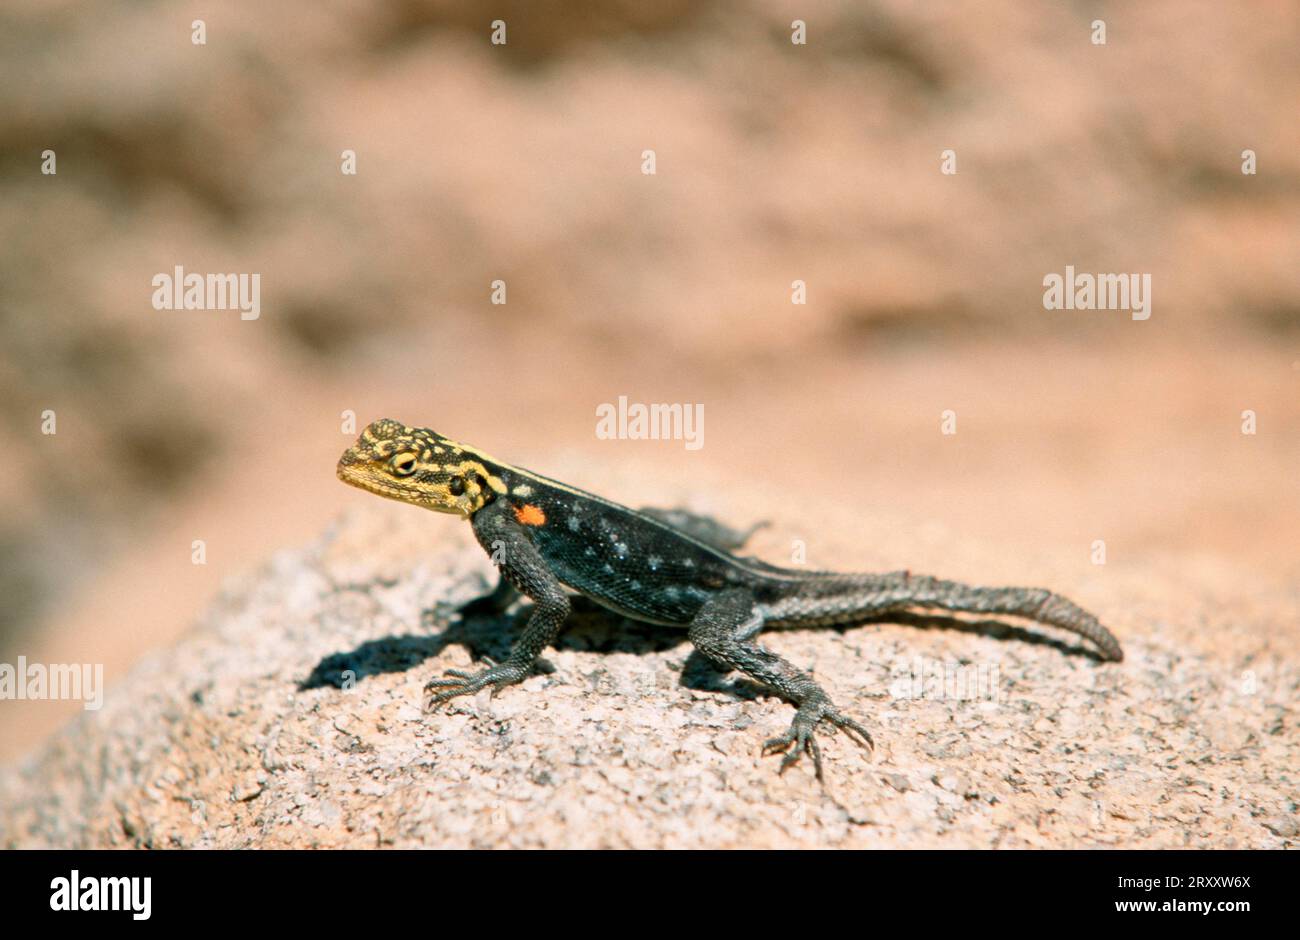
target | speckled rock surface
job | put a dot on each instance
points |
(249, 734)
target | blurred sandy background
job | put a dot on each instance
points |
(775, 162)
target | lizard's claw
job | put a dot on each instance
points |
(461, 673)
(800, 739)
(460, 682)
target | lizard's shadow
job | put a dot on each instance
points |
(593, 629)
(590, 628)
(994, 629)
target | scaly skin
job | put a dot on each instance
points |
(663, 567)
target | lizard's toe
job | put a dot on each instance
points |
(779, 744)
(458, 682)
(801, 738)
(794, 744)
(855, 732)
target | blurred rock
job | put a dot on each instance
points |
(776, 162)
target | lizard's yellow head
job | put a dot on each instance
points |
(421, 467)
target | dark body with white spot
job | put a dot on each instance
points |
(626, 560)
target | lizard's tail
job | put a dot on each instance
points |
(903, 589)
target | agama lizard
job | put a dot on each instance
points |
(661, 567)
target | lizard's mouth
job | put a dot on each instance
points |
(358, 476)
(364, 478)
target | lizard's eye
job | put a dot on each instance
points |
(404, 464)
(456, 487)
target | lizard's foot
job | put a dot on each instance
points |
(800, 739)
(460, 682)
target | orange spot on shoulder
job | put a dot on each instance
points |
(528, 514)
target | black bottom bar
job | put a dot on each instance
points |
(449, 890)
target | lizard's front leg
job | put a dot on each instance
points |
(523, 567)
(723, 631)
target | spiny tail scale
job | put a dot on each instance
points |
(845, 599)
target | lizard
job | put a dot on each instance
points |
(665, 567)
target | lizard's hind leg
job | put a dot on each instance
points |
(723, 631)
